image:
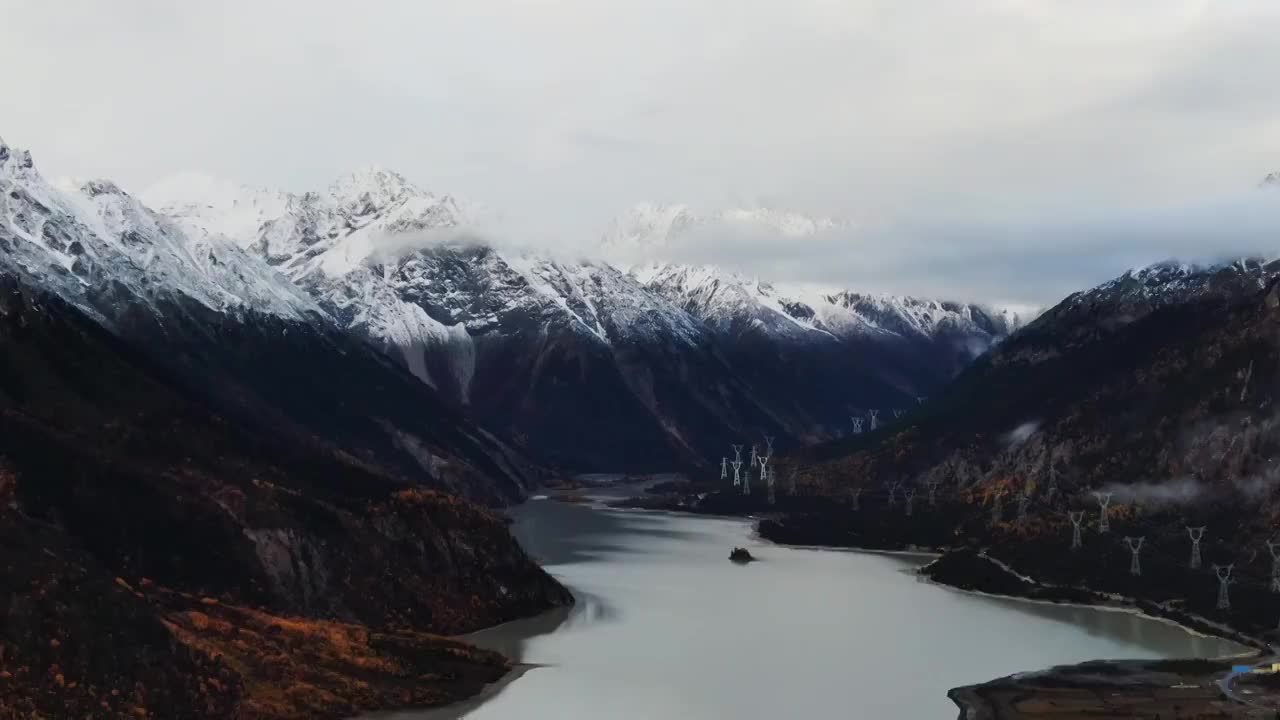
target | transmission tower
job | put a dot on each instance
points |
(1196, 534)
(1135, 546)
(1104, 501)
(1077, 519)
(1224, 581)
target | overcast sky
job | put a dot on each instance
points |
(989, 149)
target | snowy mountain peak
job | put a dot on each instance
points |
(730, 301)
(100, 248)
(333, 231)
(97, 186)
(13, 160)
(1271, 180)
(373, 188)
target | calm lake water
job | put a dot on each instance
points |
(667, 627)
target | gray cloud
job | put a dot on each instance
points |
(1018, 258)
(1022, 433)
(1176, 491)
(996, 149)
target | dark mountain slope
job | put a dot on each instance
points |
(1171, 411)
(116, 459)
(579, 362)
(306, 383)
(113, 439)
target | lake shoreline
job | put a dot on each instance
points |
(953, 569)
(1049, 594)
(986, 699)
(457, 707)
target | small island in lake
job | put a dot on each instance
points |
(741, 555)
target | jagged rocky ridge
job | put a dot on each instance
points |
(203, 478)
(589, 366)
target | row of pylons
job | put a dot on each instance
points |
(763, 461)
(897, 494)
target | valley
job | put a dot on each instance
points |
(652, 361)
(276, 452)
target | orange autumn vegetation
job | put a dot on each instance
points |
(293, 667)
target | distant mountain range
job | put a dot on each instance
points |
(579, 361)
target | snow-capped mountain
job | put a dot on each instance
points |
(248, 343)
(824, 356)
(322, 240)
(292, 230)
(590, 365)
(570, 357)
(836, 352)
(1141, 291)
(101, 249)
(731, 302)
